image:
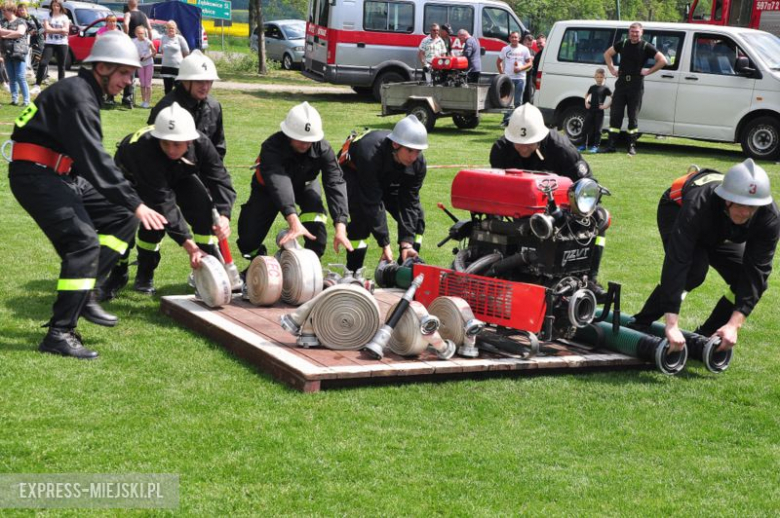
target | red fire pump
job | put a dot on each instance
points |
(525, 254)
(449, 70)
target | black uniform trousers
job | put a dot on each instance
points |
(627, 96)
(259, 213)
(88, 232)
(725, 258)
(591, 127)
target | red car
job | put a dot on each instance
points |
(81, 43)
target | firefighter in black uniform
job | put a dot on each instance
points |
(629, 86)
(286, 174)
(197, 74)
(729, 223)
(528, 144)
(385, 172)
(177, 171)
(66, 181)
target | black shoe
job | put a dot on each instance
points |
(144, 284)
(608, 149)
(631, 150)
(96, 314)
(65, 342)
(117, 279)
(127, 106)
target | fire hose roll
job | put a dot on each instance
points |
(264, 281)
(212, 282)
(301, 276)
(408, 339)
(456, 318)
(345, 317)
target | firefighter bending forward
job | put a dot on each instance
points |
(385, 172)
(67, 182)
(177, 171)
(729, 223)
(286, 174)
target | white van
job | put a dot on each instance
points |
(721, 84)
(365, 43)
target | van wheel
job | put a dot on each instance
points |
(572, 122)
(385, 77)
(501, 93)
(424, 114)
(761, 138)
(466, 121)
(287, 62)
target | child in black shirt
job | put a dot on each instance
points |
(598, 99)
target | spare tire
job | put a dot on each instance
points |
(501, 93)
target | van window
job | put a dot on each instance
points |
(669, 43)
(585, 45)
(460, 17)
(320, 12)
(498, 23)
(714, 54)
(388, 16)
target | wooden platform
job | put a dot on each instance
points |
(255, 335)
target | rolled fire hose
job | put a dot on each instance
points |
(212, 283)
(700, 348)
(264, 281)
(636, 344)
(416, 331)
(301, 272)
(457, 323)
(343, 317)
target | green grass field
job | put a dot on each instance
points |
(162, 399)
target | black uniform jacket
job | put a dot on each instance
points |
(145, 164)
(207, 115)
(703, 223)
(283, 172)
(66, 118)
(560, 157)
(377, 174)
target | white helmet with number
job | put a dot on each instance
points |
(410, 132)
(526, 125)
(197, 67)
(114, 47)
(303, 123)
(174, 123)
(747, 184)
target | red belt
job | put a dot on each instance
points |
(40, 155)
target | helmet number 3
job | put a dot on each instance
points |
(752, 189)
(307, 128)
(523, 132)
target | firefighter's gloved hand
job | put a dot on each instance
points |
(222, 230)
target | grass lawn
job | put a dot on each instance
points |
(162, 399)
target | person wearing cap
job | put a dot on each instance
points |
(178, 172)
(285, 178)
(446, 35)
(197, 74)
(64, 178)
(728, 222)
(384, 173)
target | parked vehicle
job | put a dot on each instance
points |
(81, 14)
(367, 43)
(82, 42)
(721, 84)
(284, 40)
(755, 14)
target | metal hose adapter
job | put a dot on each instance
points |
(636, 344)
(416, 331)
(457, 324)
(376, 347)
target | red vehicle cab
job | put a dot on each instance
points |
(81, 43)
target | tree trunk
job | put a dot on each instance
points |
(256, 18)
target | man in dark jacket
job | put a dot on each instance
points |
(385, 172)
(66, 181)
(197, 74)
(286, 175)
(729, 223)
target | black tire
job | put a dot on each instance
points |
(389, 76)
(760, 138)
(466, 121)
(287, 62)
(363, 91)
(424, 114)
(572, 122)
(501, 91)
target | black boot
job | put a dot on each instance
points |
(719, 317)
(96, 314)
(144, 277)
(632, 144)
(610, 143)
(355, 259)
(117, 279)
(65, 342)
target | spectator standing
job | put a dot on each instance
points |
(111, 25)
(15, 50)
(529, 43)
(514, 60)
(472, 51)
(146, 52)
(174, 49)
(541, 41)
(34, 36)
(430, 47)
(446, 36)
(133, 18)
(57, 28)
(597, 100)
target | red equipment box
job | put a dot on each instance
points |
(512, 193)
(450, 63)
(505, 303)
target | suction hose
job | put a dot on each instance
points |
(457, 324)
(635, 344)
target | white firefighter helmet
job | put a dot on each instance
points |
(303, 123)
(114, 47)
(197, 67)
(410, 132)
(746, 183)
(174, 123)
(526, 125)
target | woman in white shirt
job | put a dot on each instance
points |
(174, 49)
(55, 42)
